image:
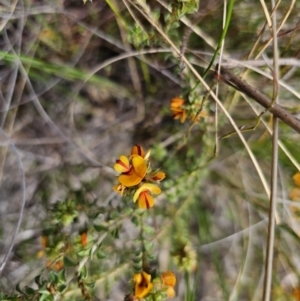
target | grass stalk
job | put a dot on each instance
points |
(272, 210)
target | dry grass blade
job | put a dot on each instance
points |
(274, 168)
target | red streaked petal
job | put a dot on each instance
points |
(145, 201)
(138, 150)
(146, 187)
(122, 165)
(160, 175)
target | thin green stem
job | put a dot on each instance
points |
(224, 32)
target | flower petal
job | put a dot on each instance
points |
(145, 200)
(296, 179)
(130, 179)
(160, 175)
(122, 165)
(168, 278)
(142, 284)
(183, 116)
(139, 166)
(146, 186)
(152, 188)
(138, 150)
(146, 277)
(142, 291)
(177, 102)
(170, 292)
(137, 278)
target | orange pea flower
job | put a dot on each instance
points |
(122, 165)
(44, 240)
(142, 284)
(144, 197)
(84, 238)
(169, 280)
(177, 109)
(296, 179)
(138, 150)
(157, 176)
(133, 174)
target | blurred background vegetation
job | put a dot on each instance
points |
(80, 85)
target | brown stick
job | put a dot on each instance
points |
(228, 78)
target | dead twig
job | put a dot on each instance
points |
(230, 79)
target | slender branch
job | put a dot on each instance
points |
(230, 79)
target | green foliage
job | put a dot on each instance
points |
(138, 37)
(81, 96)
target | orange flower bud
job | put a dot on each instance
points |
(84, 239)
(168, 278)
(296, 179)
(138, 150)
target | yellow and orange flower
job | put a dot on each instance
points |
(44, 241)
(296, 179)
(138, 150)
(143, 285)
(131, 174)
(144, 195)
(169, 280)
(157, 176)
(178, 110)
(136, 177)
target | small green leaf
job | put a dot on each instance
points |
(68, 262)
(83, 272)
(135, 221)
(43, 291)
(115, 233)
(37, 280)
(53, 277)
(137, 260)
(114, 215)
(100, 254)
(149, 230)
(18, 289)
(29, 290)
(62, 275)
(100, 228)
(90, 285)
(151, 256)
(83, 253)
(61, 287)
(137, 267)
(46, 297)
(138, 37)
(128, 210)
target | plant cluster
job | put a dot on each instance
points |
(136, 177)
(212, 226)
